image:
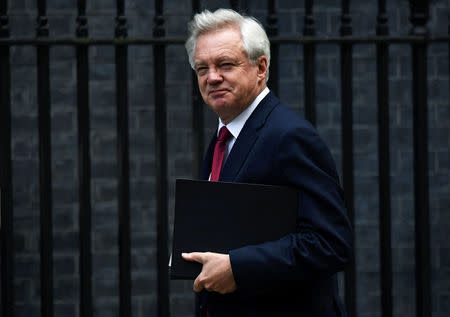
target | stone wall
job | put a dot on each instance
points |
(140, 13)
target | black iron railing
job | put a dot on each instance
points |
(84, 165)
(419, 38)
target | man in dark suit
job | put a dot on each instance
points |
(259, 140)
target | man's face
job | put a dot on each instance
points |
(227, 80)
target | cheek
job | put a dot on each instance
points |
(201, 85)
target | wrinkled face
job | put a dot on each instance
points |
(227, 80)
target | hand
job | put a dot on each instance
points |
(216, 274)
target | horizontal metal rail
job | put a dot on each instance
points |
(276, 39)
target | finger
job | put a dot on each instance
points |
(194, 256)
(198, 286)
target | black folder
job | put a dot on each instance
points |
(220, 216)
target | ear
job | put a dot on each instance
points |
(261, 63)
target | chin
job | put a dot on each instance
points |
(218, 105)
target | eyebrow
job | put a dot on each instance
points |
(196, 64)
(226, 58)
(217, 61)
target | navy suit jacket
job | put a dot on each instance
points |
(296, 275)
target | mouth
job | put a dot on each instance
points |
(218, 92)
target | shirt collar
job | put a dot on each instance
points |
(235, 126)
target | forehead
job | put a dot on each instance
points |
(225, 41)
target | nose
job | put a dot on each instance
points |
(214, 76)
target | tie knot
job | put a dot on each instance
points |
(224, 134)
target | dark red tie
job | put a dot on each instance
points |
(219, 153)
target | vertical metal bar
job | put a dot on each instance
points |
(272, 30)
(240, 6)
(234, 4)
(384, 188)
(347, 145)
(6, 208)
(161, 162)
(419, 18)
(121, 56)
(197, 116)
(46, 227)
(84, 165)
(309, 62)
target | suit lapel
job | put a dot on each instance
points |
(238, 154)
(247, 138)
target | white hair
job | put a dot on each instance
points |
(254, 39)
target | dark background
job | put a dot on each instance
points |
(140, 13)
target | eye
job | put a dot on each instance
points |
(201, 70)
(226, 66)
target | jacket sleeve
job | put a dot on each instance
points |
(322, 244)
